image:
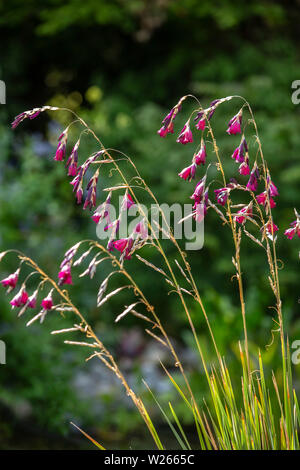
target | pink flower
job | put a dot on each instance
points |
(20, 299)
(186, 135)
(222, 195)
(77, 185)
(201, 124)
(73, 160)
(32, 301)
(141, 230)
(295, 229)
(124, 245)
(167, 123)
(164, 130)
(199, 190)
(200, 208)
(90, 200)
(103, 210)
(61, 147)
(243, 214)
(26, 114)
(127, 201)
(244, 168)
(200, 157)
(262, 199)
(188, 173)
(253, 180)
(234, 125)
(65, 276)
(239, 153)
(272, 188)
(47, 302)
(11, 280)
(18, 119)
(270, 229)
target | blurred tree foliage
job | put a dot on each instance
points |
(122, 65)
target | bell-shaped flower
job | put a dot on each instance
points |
(11, 281)
(234, 125)
(186, 135)
(199, 158)
(20, 298)
(189, 172)
(222, 195)
(242, 215)
(64, 275)
(253, 179)
(61, 147)
(73, 160)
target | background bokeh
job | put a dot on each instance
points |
(121, 65)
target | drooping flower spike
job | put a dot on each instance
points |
(11, 281)
(26, 114)
(186, 135)
(253, 180)
(167, 123)
(188, 173)
(234, 125)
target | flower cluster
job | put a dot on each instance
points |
(240, 155)
(22, 300)
(294, 228)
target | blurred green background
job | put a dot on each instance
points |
(122, 65)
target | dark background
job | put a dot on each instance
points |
(121, 65)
